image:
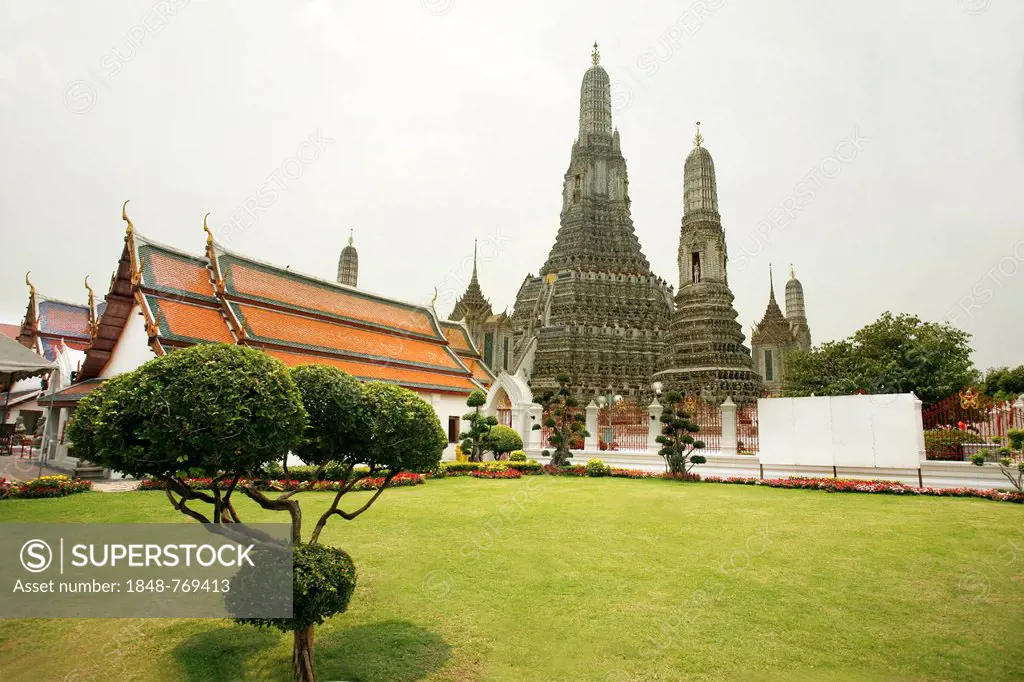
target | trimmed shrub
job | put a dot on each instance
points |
(212, 407)
(596, 468)
(944, 444)
(1016, 437)
(325, 579)
(502, 440)
(517, 456)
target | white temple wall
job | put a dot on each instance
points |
(883, 431)
(132, 349)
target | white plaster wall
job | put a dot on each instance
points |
(132, 349)
(847, 431)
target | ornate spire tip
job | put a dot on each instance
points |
(351, 237)
(698, 139)
(595, 56)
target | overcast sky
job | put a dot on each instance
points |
(427, 123)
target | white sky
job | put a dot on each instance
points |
(449, 120)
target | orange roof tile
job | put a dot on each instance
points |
(458, 338)
(164, 269)
(247, 279)
(412, 378)
(273, 326)
(479, 370)
(10, 330)
(188, 322)
(74, 392)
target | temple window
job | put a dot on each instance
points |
(576, 190)
(489, 349)
(453, 429)
(507, 358)
(695, 264)
(769, 369)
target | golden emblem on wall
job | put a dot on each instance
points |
(969, 398)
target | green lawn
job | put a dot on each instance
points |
(598, 579)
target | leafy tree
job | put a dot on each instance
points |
(564, 417)
(677, 441)
(1004, 383)
(474, 440)
(894, 354)
(501, 440)
(231, 412)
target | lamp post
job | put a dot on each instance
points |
(609, 400)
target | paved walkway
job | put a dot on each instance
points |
(17, 468)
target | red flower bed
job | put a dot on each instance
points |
(846, 485)
(632, 473)
(564, 471)
(46, 486)
(496, 473)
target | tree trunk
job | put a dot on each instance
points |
(303, 664)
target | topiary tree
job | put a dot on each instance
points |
(564, 417)
(229, 412)
(677, 442)
(474, 439)
(501, 440)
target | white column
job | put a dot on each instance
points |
(518, 425)
(535, 414)
(921, 450)
(654, 411)
(591, 441)
(728, 427)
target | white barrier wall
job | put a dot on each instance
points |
(842, 431)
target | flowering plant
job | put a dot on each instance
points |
(45, 486)
(496, 473)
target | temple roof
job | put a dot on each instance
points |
(472, 302)
(226, 297)
(773, 328)
(70, 395)
(460, 340)
(49, 320)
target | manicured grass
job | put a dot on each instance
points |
(596, 579)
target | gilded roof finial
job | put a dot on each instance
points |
(771, 281)
(433, 301)
(792, 272)
(88, 288)
(31, 287)
(595, 56)
(698, 138)
(124, 217)
(350, 236)
(206, 229)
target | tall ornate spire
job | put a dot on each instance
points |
(795, 312)
(700, 189)
(348, 264)
(771, 284)
(595, 99)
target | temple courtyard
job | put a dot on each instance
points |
(547, 578)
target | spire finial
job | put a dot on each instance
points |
(595, 56)
(208, 231)
(124, 217)
(771, 282)
(351, 237)
(474, 259)
(698, 138)
(792, 272)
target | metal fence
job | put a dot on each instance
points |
(968, 422)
